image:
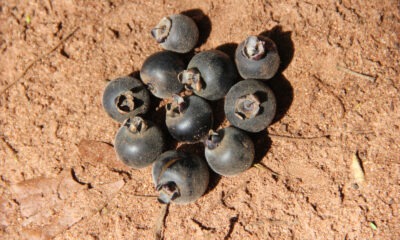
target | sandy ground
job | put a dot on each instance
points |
(329, 164)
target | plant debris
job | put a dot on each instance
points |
(357, 169)
(50, 206)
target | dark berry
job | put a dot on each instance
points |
(138, 142)
(188, 119)
(250, 105)
(210, 74)
(180, 177)
(177, 33)
(125, 97)
(159, 72)
(229, 151)
(257, 58)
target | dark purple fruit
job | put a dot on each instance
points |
(229, 151)
(250, 105)
(180, 177)
(159, 72)
(125, 97)
(257, 57)
(138, 142)
(188, 119)
(177, 33)
(210, 74)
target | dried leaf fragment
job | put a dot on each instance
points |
(96, 152)
(52, 205)
(357, 169)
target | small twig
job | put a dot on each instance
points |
(328, 88)
(261, 166)
(160, 222)
(38, 59)
(357, 169)
(50, 5)
(283, 137)
(357, 74)
(145, 196)
(9, 147)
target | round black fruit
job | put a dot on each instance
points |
(138, 142)
(229, 151)
(180, 177)
(159, 72)
(250, 105)
(257, 57)
(210, 74)
(125, 97)
(178, 33)
(188, 119)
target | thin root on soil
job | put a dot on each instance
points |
(357, 74)
(160, 222)
(37, 60)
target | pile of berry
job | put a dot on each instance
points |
(250, 105)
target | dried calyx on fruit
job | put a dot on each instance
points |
(161, 31)
(191, 79)
(254, 48)
(247, 106)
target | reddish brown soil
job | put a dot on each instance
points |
(338, 95)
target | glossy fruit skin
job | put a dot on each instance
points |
(263, 68)
(183, 34)
(267, 106)
(187, 173)
(140, 147)
(117, 88)
(217, 72)
(192, 123)
(229, 152)
(159, 72)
